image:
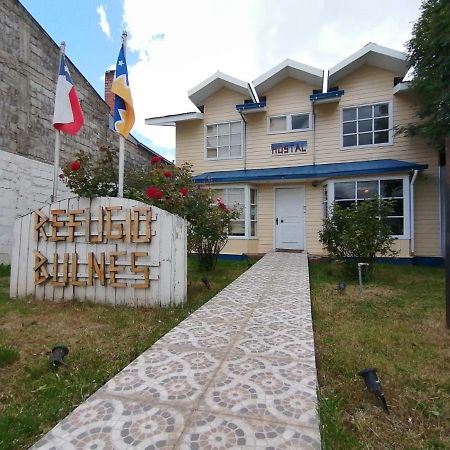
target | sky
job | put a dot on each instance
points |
(173, 45)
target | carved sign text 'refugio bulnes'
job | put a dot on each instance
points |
(103, 225)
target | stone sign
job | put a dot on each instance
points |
(106, 250)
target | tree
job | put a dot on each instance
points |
(429, 54)
(358, 233)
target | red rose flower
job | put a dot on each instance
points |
(154, 192)
(75, 165)
(156, 159)
(184, 192)
(168, 174)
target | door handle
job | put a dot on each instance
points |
(282, 221)
(276, 221)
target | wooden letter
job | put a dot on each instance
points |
(110, 227)
(72, 223)
(39, 219)
(113, 270)
(87, 224)
(55, 224)
(74, 272)
(98, 268)
(147, 236)
(128, 226)
(140, 269)
(65, 263)
(99, 237)
(41, 274)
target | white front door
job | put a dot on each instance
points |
(289, 218)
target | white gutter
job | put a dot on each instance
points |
(411, 200)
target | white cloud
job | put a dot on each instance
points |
(103, 21)
(244, 39)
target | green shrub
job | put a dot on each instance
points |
(358, 233)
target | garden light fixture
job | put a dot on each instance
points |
(58, 354)
(341, 286)
(373, 385)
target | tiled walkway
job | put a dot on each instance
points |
(238, 373)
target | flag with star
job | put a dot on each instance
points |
(123, 105)
(67, 115)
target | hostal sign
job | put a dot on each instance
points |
(106, 250)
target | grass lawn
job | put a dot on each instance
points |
(102, 340)
(396, 325)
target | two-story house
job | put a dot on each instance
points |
(284, 150)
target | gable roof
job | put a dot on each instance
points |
(288, 69)
(373, 54)
(215, 82)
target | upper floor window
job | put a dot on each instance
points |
(289, 123)
(367, 125)
(224, 140)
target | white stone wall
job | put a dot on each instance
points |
(25, 185)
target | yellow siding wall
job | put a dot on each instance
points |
(367, 84)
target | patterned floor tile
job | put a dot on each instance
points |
(116, 424)
(218, 432)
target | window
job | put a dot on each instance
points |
(244, 199)
(289, 123)
(366, 125)
(224, 140)
(348, 192)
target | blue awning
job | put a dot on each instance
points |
(311, 171)
(327, 97)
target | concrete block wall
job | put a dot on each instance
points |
(25, 185)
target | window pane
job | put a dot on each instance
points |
(235, 139)
(395, 224)
(236, 127)
(253, 196)
(365, 138)
(253, 229)
(349, 114)
(367, 189)
(211, 141)
(237, 228)
(223, 152)
(397, 207)
(364, 112)
(382, 124)
(344, 203)
(381, 137)
(365, 125)
(211, 130)
(235, 150)
(300, 122)
(349, 127)
(381, 110)
(344, 190)
(211, 153)
(224, 140)
(349, 140)
(253, 212)
(224, 128)
(235, 195)
(278, 123)
(391, 188)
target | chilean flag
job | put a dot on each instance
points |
(68, 116)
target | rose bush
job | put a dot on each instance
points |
(169, 187)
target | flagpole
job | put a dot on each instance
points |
(121, 138)
(54, 196)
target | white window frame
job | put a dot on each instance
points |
(391, 126)
(289, 122)
(223, 158)
(406, 198)
(247, 218)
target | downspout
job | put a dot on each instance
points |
(244, 140)
(411, 200)
(314, 131)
